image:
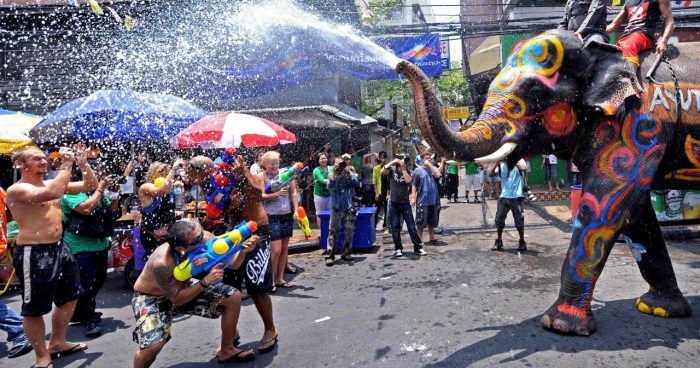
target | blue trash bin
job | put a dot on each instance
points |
(364, 236)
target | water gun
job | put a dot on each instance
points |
(217, 250)
(303, 221)
(221, 184)
(284, 178)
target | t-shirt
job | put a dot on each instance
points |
(356, 162)
(643, 16)
(78, 243)
(471, 169)
(3, 221)
(367, 172)
(552, 159)
(426, 187)
(321, 189)
(452, 169)
(128, 187)
(255, 169)
(511, 182)
(400, 190)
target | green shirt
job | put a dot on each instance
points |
(377, 178)
(78, 243)
(472, 169)
(452, 169)
(356, 162)
(321, 189)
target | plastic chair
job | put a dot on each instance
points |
(5, 262)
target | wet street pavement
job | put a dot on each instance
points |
(461, 305)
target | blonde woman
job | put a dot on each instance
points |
(280, 207)
(157, 204)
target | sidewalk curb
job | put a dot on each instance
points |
(680, 232)
(305, 246)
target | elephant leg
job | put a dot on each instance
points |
(624, 157)
(590, 247)
(663, 299)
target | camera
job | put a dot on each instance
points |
(531, 197)
(342, 165)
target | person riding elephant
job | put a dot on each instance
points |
(644, 18)
(556, 95)
(586, 18)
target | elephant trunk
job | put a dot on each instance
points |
(462, 146)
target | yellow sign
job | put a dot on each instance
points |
(455, 112)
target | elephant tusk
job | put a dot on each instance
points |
(505, 150)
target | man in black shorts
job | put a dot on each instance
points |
(256, 270)
(46, 269)
(158, 296)
(511, 199)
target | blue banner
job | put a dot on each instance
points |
(423, 51)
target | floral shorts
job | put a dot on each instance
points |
(154, 314)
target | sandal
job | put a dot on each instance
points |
(290, 269)
(285, 285)
(78, 347)
(262, 349)
(238, 358)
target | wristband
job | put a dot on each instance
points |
(204, 284)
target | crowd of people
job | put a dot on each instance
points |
(81, 200)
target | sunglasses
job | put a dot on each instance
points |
(196, 241)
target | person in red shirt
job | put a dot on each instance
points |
(644, 18)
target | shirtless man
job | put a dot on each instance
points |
(256, 269)
(46, 269)
(158, 296)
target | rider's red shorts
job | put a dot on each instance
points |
(632, 45)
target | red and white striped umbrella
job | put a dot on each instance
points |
(230, 129)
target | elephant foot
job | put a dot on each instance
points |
(569, 319)
(668, 304)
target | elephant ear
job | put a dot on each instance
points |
(612, 79)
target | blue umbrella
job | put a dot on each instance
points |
(118, 115)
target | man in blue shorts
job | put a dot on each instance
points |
(424, 194)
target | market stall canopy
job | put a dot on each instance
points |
(120, 116)
(230, 129)
(487, 56)
(336, 116)
(14, 130)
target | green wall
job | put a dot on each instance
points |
(536, 175)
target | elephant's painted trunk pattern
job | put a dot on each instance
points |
(464, 146)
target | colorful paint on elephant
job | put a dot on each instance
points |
(506, 111)
(691, 148)
(660, 100)
(628, 159)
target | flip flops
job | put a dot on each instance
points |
(268, 349)
(237, 358)
(76, 348)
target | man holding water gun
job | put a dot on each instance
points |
(158, 295)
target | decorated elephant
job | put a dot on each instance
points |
(585, 103)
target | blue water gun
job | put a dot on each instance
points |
(221, 184)
(285, 178)
(217, 250)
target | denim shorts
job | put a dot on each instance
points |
(281, 226)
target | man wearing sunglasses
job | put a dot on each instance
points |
(158, 296)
